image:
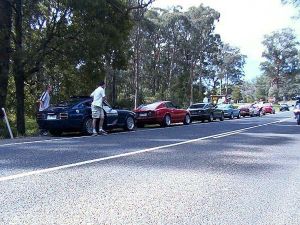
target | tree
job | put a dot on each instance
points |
(5, 48)
(281, 60)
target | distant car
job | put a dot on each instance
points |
(250, 110)
(163, 113)
(268, 108)
(205, 111)
(75, 115)
(284, 107)
(229, 111)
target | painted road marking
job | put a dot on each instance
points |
(42, 171)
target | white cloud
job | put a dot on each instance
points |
(244, 23)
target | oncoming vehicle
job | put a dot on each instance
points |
(163, 113)
(229, 111)
(75, 115)
(205, 111)
(284, 107)
(297, 113)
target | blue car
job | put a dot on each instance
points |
(229, 111)
(75, 116)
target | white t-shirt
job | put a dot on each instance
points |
(98, 96)
(45, 98)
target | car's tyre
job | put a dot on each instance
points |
(211, 118)
(238, 116)
(222, 117)
(231, 116)
(166, 121)
(187, 119)
(202, 120)
(129, 123)
(55, 132)
(87, 127)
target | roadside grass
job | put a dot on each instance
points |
(30, 124)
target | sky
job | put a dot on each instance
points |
(243, 24)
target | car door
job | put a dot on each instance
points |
(215, 110)
(173, 111)
(111, 115)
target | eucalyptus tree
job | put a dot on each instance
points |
(281, 63)
(202, 39)
(232, 65)
(69, 42)
(5, 48)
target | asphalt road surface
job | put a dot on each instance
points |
(244, 171)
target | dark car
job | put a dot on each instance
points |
(229, 111)
(205, 111)
(162, 112)
(284, 107)
(75, 115)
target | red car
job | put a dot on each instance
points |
(268, 108)
(163, 113)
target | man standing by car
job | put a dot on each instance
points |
(97, 108)
(44, 103)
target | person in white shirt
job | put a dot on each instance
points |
(45, 98)
(44, 103)
(97, 108)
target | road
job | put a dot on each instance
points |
(244, 171)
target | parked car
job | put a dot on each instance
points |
(163, 113)
(75, 115)
(205, 111)
(250, 110)
(284, 107)
(229, 111)
(268, 108)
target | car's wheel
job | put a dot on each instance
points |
(87, 127)
(129, 125)
(202, 120)
(273, 112)
(211, 118)
(55, 132)
(187, 119)
(238, 116)
(222, 117)
(166, 121)
(231, 116)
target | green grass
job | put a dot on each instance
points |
(30, 124)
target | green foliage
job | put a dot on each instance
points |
(282, 63)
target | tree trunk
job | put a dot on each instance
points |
(18, 67)
(5, 31)
(137, 67)
(114, 96)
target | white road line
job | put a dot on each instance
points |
(42, 171)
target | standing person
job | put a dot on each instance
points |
(44, 103)
(97, 108)
(45, 98)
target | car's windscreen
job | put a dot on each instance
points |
(152, 106)
(223, 106)
(197, 106)
(68, 103)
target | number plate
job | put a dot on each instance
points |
(51, 117)
(143, 114)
